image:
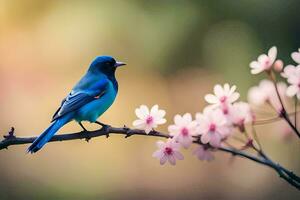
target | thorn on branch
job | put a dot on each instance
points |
(11, 134)
(87, 139)
(128, 134)
(128, 131)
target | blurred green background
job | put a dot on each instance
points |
(176, 51)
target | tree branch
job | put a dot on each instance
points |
(11, 139)
(287, 175)
(283, 113)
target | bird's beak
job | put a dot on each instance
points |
(118, 64)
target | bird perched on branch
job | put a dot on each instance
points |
(88, 100)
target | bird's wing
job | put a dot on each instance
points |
(75, 100)
(56, 112)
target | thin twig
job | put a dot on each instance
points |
(287, 175)
(296, 104)
(283, 112)
(256, 138)
(272, 119)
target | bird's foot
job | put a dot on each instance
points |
(81, 125)
(101, 124)
(128, 131)
(105, 128)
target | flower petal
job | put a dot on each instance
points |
(160, 121)
(154, 109)
(215, 140)
(187, 118)
(186, 142)
(205, 138)
(254, 65)
(173, 129)
(163, 159)
(272, 53)
(138, 123)
(296, 57)
(178, 119)
(232, 89)
(288, 71)
(257, 70)
(226, 87)
(218, 90)
(148, 129)
(172, 160)
(178, 155)
(235, 96)
(142, 112)
(160, 144)
(212, 99)
(159, 113)
(262, 60)
(292, 90)
(158, 154)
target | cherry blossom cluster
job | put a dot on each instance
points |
(291, 73)
(211, 127)
(224, 115)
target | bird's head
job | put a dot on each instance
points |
(105, 64)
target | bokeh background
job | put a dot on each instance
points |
(176, 51)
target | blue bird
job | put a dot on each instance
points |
(88, 100)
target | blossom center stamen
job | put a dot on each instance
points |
(212, 127)
(149, 120)
(184, 131)
(267, 62)
(225, 110)
(223, 99)
(168, 151)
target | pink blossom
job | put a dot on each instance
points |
(203, 153)
(259, 95)
(264, 62)
(241, 114)
(265, 93)
(168, 151)
(223, 96)
(288, 71)
(292, 74)
(296, 56)
(213, 126)
(184, 129)
(149, 119)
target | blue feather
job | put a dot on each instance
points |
(47, 134)
(89, 99)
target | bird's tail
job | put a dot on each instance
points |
(47, 135)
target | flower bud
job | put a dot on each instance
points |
(278, 65)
